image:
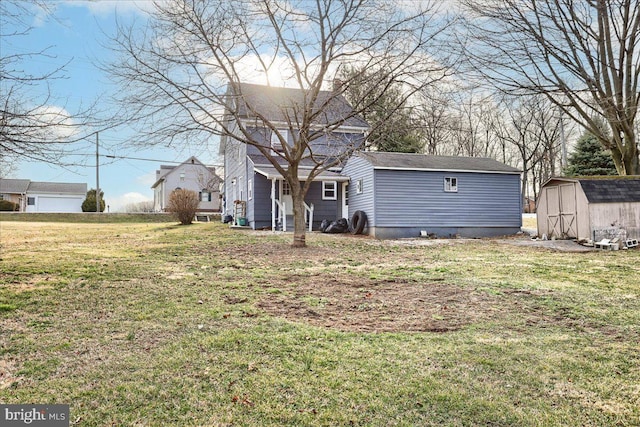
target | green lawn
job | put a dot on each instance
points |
(163, 325)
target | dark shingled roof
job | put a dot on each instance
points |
(410, 161)
(274, 102)
(612, 190)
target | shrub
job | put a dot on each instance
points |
(6, 205)
(183, 205)
(89, 204)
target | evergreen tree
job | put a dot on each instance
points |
(590, 159)
(394, 128)
(89, 204)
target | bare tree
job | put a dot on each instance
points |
(584, 56)
(31, 125)
(182, 73)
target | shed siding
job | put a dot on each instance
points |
(356, 169)
(418, 199)
(623, 215)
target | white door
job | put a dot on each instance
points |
(285, 197)
(345, 200)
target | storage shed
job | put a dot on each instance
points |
(590, 208)
(409, 195)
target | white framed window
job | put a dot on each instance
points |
(286, 188)
(359, 186)
(31, 201)
(329, 190)
(182, 176)
(250, 189)
(450, 184)
(276, 144)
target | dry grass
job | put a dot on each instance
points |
(156, 324)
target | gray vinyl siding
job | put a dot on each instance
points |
(261, 203)
(235, 160)
(417, 198)
(356, 169)
(323, 209)
(324, 145)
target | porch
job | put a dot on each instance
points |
(326, 198)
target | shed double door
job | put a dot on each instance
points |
(561, 211)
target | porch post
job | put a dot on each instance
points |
(273, 204)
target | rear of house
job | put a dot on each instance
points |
(590, 208)
(408, 195)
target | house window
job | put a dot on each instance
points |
(182, 176)
(359, 186)
(329, 190)
(31, 201)
(451, 185)
(250, 189)
(276, 144)
(286, 188)
(205, 196)
(1, 196)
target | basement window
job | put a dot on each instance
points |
(451, 185)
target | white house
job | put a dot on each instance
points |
(33, 196)
(189, 175)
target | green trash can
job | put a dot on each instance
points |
(242, 222)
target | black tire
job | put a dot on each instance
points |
(358, 222)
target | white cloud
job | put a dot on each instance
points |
(106, 7)
(116, 204)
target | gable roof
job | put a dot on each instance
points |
(274, 103)
(605, 189)
(21, 186)
(14, 186)
(613, 190)
(168, 169)
(57, 188)
(410, 161)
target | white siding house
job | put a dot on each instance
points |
(34, 196)
(190, 175)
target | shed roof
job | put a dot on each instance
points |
(612, 190)
(14, 186)
(410, 161)
(276, 103)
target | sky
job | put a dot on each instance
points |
(75, 33)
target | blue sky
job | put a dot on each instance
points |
(76, 31)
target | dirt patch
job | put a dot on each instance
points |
(386, 306)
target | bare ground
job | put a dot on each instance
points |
(352, 302)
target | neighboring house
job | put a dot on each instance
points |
(33, 196)
(254, 189)
(589, 208)
(409, 195)
(190, 175)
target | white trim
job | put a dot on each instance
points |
(334, 190)
(254, 123)
(450, 184)
(445, 170)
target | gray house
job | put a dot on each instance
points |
(408, 195)
(255, 193)
(590, 208)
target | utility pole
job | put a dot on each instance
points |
(97, 174)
